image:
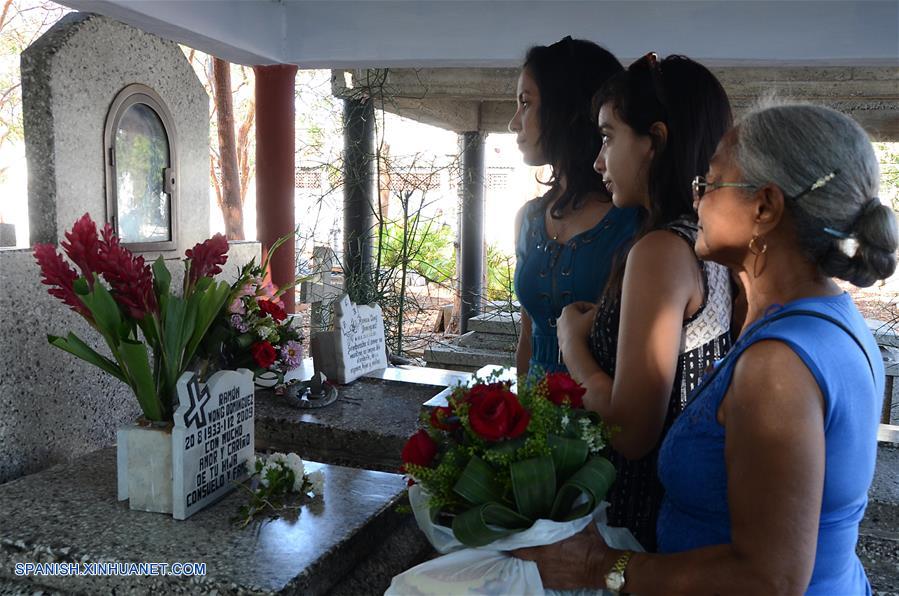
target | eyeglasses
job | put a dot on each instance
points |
(701, 186)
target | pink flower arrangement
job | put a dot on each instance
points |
(256, 330)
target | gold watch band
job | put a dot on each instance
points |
(621, 564)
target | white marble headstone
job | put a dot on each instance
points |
(212, 440)
(355, 347)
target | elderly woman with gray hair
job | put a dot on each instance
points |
(766, 472)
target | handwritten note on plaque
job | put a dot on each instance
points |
(355, 347)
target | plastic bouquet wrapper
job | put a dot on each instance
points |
(495, 471)
(491, 569)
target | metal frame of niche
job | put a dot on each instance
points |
(129, 96)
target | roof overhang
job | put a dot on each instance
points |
(495, 33)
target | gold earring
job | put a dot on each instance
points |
(754, 248)
(758, 246)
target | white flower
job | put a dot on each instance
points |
(295, 464)
(279, 458)
(565, 420)
(266, 470)
(254, 464)
(263, 332)
(317, 480)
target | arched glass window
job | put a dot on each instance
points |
(141, 180)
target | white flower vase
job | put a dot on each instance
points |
(144, 467)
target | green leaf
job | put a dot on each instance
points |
(245, 340)
(508, 447)
(534, 486)
(73, 345)
(105, 311)
(173, 326)
(473, 527)
(162, 279)
(593, 480)
(568, 455)
(477, 484)
(204, 311)
(137, 361)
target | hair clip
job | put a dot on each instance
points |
(822, 181)
(835, 233)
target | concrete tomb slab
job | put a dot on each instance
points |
(349, 540)
(366, 427)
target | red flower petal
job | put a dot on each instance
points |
(60, 276)
(205, 258)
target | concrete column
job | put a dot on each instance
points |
(471, 247)
(275, 170)
(358, 191)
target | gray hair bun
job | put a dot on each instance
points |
(824, 163)
(869, 252)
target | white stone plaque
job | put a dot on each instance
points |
(212, 440)
(355, 347)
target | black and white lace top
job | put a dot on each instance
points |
(637, 493)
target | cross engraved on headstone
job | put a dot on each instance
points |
(213, 438)
(198, 400)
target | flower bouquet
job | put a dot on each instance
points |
(494, 471)
(494, 462)
(273, 479)
(253, 330)
(135, 310)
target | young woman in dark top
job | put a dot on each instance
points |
(665, 316)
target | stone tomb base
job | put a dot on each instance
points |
(349, 541)
(365, 428)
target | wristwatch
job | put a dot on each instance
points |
(615, 577)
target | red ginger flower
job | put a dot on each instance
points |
(206, 257)
(273, 309)
(60, 276)
(560, 387)
(129, 278)
(82, 247)
(263, 353)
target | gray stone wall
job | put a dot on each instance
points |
(54, 406)
(70, 77)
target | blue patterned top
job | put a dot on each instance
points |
(550, 275)
(692, 466)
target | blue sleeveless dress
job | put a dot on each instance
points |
(549, 276)
(691, 462)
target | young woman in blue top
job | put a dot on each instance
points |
(767, 469)
(566, 238)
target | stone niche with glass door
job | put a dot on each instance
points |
(116, 125)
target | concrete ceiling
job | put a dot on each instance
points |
(468, 99)
(453, 63)
(495, 33)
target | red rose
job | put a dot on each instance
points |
(495, 412)
(420, 450)
(273, 309)
(439, 417)
(560, 388)
(263, 353)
